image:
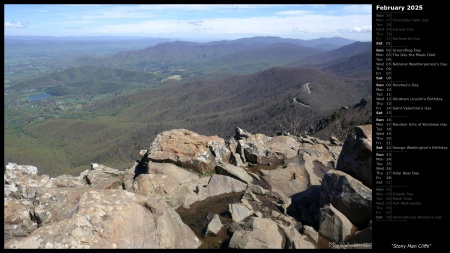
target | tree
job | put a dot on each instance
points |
(297, 123)
(338, 128)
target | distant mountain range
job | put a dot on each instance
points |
(209, 88)
(354, 59)
(331, 57)
(333, 42)
(181, 51)
(210, 60)
(89, 80)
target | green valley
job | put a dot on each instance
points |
(107, 109)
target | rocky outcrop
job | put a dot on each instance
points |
(235, 153)
(32, 201)
(189, 150)
(356, 156)
(348, 195)
(114, 219)
(87, 212)
(283, 191)
(264, 150)
(167, 180)
(16, 218)
(102, 177)
(241, 133)
(219, 184)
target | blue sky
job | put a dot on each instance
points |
(196, 22)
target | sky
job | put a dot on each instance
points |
(201, 22)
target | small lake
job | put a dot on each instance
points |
(39, 96)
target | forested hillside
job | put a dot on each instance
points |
(105, 112)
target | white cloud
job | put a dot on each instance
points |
(213, 20)
(300, 26)
(362, 29)
(16, 24)
(195, 23)
(292, 13)
(300, 30)
(358, 8)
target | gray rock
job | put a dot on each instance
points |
(261, 234)
(239, 212)
(311, 233)
(288, 180)
(241, 133)
(155, 184)
(334, 226)
(264, 150)
(257, 189)
(188, 150)
(295, 240)
(219, 151)
(114, 219)
(214, 226)
(218, 184)
(347, 195)
(103, 177)
(234, 172)
(16, 218)
(178, 174)
(363, 236)
(356, 156)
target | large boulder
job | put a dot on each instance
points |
(33, 200)
(178, 174)
(287, 180)
(177, 196)
(55, 204)
(356, 156)
(263, 150)
(189, 150)
(103, 177)
(259, 233)
(114, 219)
(16, 218)
(348, 195)
(22, 181)
(334, 226)
(317, 160)
(363, 236)
(155, 184)
(217, 185)
(305, 206)
(293, 238)
(234, 172)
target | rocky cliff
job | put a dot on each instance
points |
(293, 192)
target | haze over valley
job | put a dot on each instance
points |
(95, 83)
(103, 108)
